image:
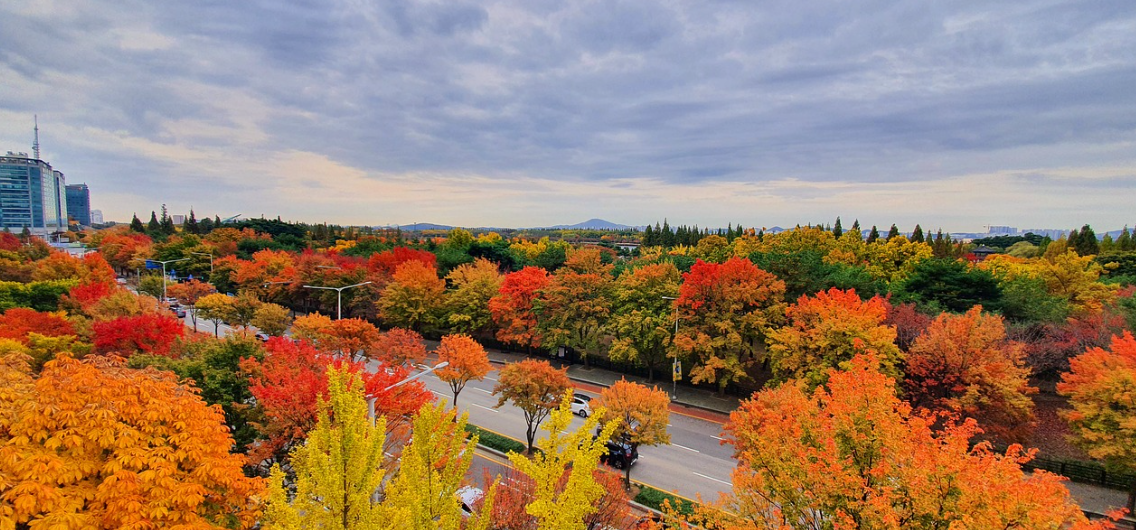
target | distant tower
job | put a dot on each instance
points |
(35, 144)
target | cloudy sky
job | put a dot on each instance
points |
(953, 114)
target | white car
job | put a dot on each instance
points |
(581, 405)
(468, 495)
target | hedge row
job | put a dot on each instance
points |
(496, 441)
(657, 500)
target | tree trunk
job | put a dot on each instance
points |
(650, 379)
(1132, 498)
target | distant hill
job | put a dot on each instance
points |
(593, 224)
(424, 226)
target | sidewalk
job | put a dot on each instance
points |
(708, 405)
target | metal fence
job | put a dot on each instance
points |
(1084, 472)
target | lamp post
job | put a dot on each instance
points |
(675, 367)
(210, 261)
(164, 272)
(339, 296)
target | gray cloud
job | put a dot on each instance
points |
(215, 95)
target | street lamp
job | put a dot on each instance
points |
(339, 296)
(210, 261)
(164, 272)
(675, 367)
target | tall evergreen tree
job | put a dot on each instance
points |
(856, 229)
(1125, 242)
(216, 221)
(205, 226)
(917, 234)
(136, 225)
(153, 227)
(668, 235)
(166, 223)
(1087, 244)
(1073, 239)
(874, 235)
(837, 230)
(191, 226)
(648, 239)
(1106, 243)
(893, 233)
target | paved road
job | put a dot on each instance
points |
(694, 464)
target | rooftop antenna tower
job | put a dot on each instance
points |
(35, 144)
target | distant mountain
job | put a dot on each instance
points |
(424, 226)
(593, 224)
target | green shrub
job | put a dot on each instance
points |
(656, 499)
(496, 441)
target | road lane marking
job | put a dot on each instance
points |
(712, 478)
(687, 448)
(483, 390)
(717, 438)
(436, 393)
(495, 411)
(490, 378)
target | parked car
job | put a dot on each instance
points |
(468, 495)
(172, 302)
(581, 405)
(262, 336)
(179, 311)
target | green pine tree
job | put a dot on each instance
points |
(837, 230)
(1087, 243)
(917, 234)
(893, 233)
(874, 235)
(153, 228)
(191, 225)
(136, 225)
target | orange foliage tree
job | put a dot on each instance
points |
(401, 347)
(826, 331)
(725, 311)
(413, 298)
(353, 337)
(574, 308)
(533, 386)
(146, 333)
(852, 455)
(512, 308)
(643, 414)
(468, 361)
(91, 444)
(964, 364)
(1102, 391)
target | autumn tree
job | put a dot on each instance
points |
(337, 471)
(188, 293)
(725, 311)
(401, 347)
(216, 308)
(467, 361)
(272, 319)
(430, 472)
(965, 365)
(826, 331)
(512, 307)
(80, 447)
(18, 322)
(644, 319)
(850, 454)
(467, 305)
(641, 415)
(533, 386)
(574, 308)
(353, 337)
(565, 488)
(287, 382)
(1101, 387)
(147, 333)
(244, 309)
(413, 297)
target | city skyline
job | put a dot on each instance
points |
(536, 114)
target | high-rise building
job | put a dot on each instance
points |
(79, 203)
(96, 217)
(32, 195)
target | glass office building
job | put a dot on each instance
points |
(79, 204)
(32, 195)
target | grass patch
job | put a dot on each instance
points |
(496, 441)
(657, 499)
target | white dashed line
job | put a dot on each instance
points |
(717, 438)
(687, 448)
(483, 390)
(714, 479)
(495, 411)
